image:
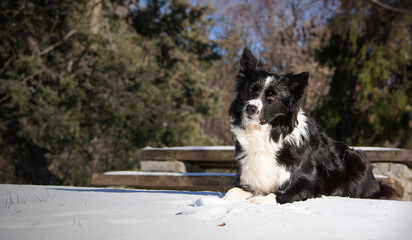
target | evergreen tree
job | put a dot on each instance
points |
(184, 54)
(370, 99)
(81, 89)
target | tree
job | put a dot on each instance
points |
(369, 102)
(284, 34)
(81, 89)
(185, 56)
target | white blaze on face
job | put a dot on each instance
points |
(268, 81)
(257, 102)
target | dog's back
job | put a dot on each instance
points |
(321, 166)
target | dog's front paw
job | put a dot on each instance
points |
(269, 199)
(237, 194)
(282, 198)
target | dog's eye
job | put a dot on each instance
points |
(271, 98)
(251, 90)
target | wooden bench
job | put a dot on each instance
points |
(211, 158)
(223, 157)
(218, 182)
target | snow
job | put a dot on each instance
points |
(56, 212)
(232, 148)
(377, 149)
(197, 174)
(224, 148)
(140, 173)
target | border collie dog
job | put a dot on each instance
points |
(282, 154)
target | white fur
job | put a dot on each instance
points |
(300, 131)
(260, 170)
(268, 80)
(237, 194)
(269, 199)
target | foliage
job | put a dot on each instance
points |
(369, 102)
(82, 86)
(283, 34)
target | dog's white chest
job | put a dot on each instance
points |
(260, 170)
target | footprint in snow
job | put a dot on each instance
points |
(207, 208)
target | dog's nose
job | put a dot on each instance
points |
(251, 109)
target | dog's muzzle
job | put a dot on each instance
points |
(251, 110)
(254, 111)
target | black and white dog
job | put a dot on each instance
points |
(282, 154)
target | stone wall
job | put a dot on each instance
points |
(401, 173)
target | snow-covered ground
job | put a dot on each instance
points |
(55, 212)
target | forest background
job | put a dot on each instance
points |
(84, 84)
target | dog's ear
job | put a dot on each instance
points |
(297, 84)
(248, 62)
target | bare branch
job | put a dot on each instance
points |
(50, 48)
(109, 36)
(6, 65)
(392, 8)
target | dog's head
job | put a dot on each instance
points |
(262, 96)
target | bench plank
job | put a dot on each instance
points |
(166, 182)
(188, 182)
(400, 156)
(224, 158)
